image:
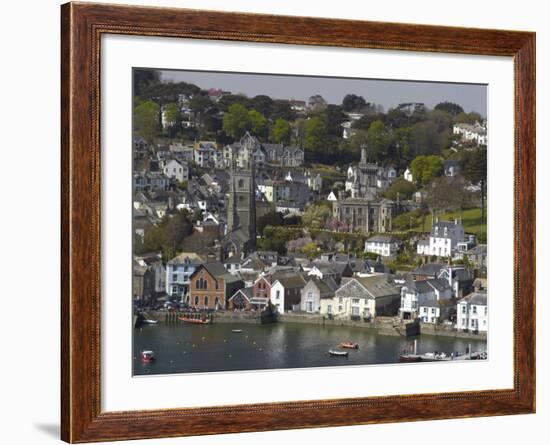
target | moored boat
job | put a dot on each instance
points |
(236, 331)
(147, 321)
(147, 356)
(338, 353)
(349, 345)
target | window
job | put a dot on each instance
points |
(433, 310)
(463, 308)
(355, 310)
(424, 309)
(206, 300)
(329, 309)
(198, 284)
(174, 277)
(340, 308)
(216, 301)
(474, 309)
(464, 322)
(278, 294)
(485, 311)
(355, 301)
(196, 301)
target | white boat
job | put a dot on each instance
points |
(236, 331)
(338, 353)
(146, 321)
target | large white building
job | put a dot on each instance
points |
(443, 239)
(476, 133)
(382, 245)
(471, 312)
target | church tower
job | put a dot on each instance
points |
(241, 208)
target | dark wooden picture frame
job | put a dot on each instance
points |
(82, 26)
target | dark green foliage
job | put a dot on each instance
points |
(449, 107)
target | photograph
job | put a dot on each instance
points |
(291, 221)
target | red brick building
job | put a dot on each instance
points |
(211, 285)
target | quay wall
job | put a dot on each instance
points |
(383, 325)
(449, 331)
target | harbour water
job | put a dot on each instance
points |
(186, 348)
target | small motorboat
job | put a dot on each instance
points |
(349, 345)
(195, 320)
(147, 356)
(338, 353)
(147, 321)
(236, 331)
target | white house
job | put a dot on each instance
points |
(178, 271)
(443, 239)
(177, 170)
(471, 312)
(363, 297)
(285, 293)
(314, 291)
(382, 245)
(415, 294)
(433, 311)
(332, 197)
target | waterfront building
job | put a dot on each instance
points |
(472, 312)
(436, 311)
(314, 291)
(414, 294)
(478, 257)
(382, 245)
(443, 240)
(363, 298)
(211, 285)
(459, 278)
(285, 292)
(178, 272)
(143, 282)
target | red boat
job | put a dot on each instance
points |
(349, 345)
(147, 356)
(195, 320)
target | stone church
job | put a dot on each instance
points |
(240, 238)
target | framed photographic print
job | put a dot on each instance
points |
(285, 222)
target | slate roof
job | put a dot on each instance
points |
(382, 239)
(429, 269)
(378, 285)
(326, 287)
(475, 298)
(292, 281)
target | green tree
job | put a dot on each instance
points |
(475, 171)
(425, 168)
(236, 121)
(310, 249)
(280, 132)
(316, 215)
(378, 141)
(269, 219)
(262, 104)
(352, 102)
(400, 187)
(146, 120)
(315, 135)
(334, 116)
(257, 123)
(449, 107)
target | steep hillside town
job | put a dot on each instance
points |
(333, 212)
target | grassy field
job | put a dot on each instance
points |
(471, 220)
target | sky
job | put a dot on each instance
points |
(388, 93)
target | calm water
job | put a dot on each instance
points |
(193, 348)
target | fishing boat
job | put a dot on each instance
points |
(236, 331)
(349, 345)
(195, 320)
(338, 353)
(147, 321)
(147, 356)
